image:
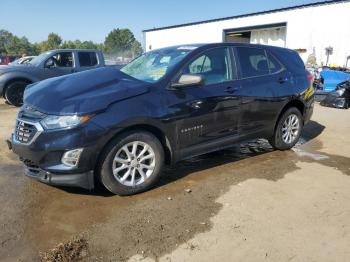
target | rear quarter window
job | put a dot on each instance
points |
(290, 59)
(275, 66)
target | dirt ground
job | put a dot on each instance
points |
(248, 203)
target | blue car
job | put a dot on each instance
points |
(120, 127)
(331, 78)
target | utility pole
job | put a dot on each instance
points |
(329, 51)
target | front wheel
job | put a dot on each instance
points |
(14, 93)
(288, 130)
(131, 163)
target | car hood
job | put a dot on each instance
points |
(82, 93)
(17, 67)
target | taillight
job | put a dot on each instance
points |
(310, 77)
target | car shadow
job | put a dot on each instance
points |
(233, 154)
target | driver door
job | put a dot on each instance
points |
(209, 112)
(59, 64)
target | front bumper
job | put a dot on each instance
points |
(82, 180)
(337, 102)
(42, 156)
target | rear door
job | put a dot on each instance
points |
(266, 85)
(210, 111)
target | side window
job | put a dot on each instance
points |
(200, 65)
(253, 61)
(274, 65)
(63, 59)
(214, 65)
(87, 58)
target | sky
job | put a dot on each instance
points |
(94, 19)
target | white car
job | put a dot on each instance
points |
(23, 60)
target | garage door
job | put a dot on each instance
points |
(274, 34)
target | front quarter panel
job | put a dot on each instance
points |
(147, 109)
(10, 76)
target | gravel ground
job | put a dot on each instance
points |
(246, 203)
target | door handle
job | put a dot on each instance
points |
(282, 80)
(196, 104)
(231, 89)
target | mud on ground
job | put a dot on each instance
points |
(245, 201)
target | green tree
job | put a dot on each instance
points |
(6, 39)
(53, 42)
(13, 45)
(119, 41)
(88, 45)
(136, 49)
(68, 45)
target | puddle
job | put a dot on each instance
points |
(148, 224)
(303, 153)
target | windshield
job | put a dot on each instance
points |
(38, 59)
(152, 66)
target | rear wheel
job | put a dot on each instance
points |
(288, 130)
(14, 92)
(132, 163)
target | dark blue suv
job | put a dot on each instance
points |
(122, 127)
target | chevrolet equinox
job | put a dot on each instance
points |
(121, 127)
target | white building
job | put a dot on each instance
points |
(309, 29)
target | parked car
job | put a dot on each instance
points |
(22, 61)
(340, 97)
(14, 79)
(329, 79)
(6, 59)
(122, 127)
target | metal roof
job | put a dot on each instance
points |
(250, 14)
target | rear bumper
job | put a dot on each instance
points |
(82, 180)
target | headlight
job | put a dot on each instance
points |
(58, 122)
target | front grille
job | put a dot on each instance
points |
(24, 132)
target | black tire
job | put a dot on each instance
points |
(105, 166)
(277, 141)
(14, 92)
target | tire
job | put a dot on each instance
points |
(14, 92)
(113, 174)
(286, 133)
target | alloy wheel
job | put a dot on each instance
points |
(290, 129)
(134, 163)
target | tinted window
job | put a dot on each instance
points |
(87, 58)
(274, 65)
(253, 61)
(213, 65)
(200, 65)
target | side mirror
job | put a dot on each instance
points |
(187, 80)
(49, 63)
